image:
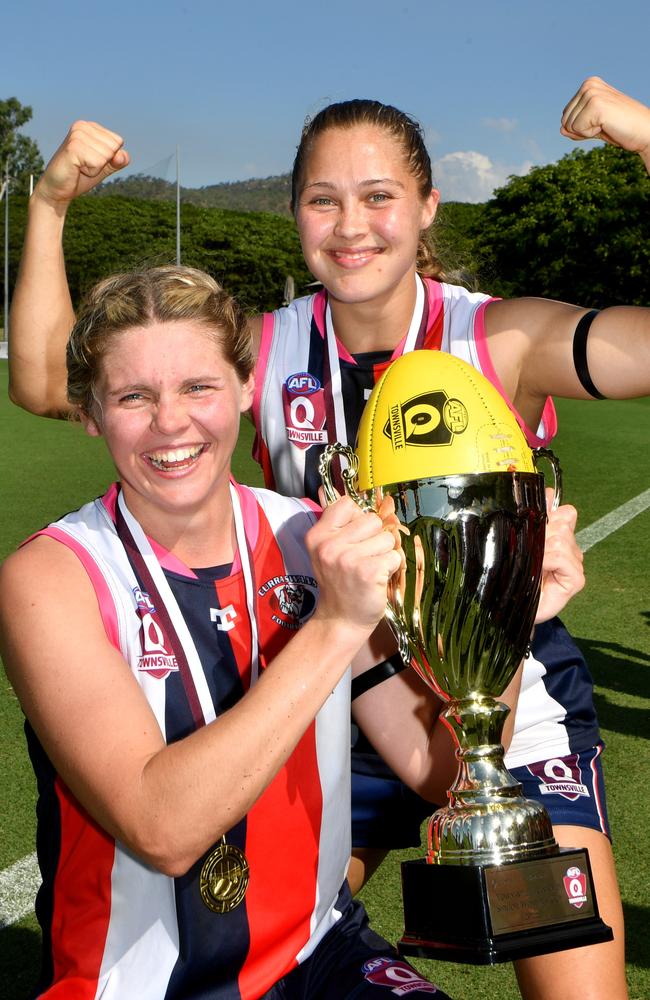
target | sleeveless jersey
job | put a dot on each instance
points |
(114, 927)
(294, 421)
(291, 398)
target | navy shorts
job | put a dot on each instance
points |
(353, 963)
(387, 814)
(571, 788)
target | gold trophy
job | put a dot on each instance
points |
(439, 439)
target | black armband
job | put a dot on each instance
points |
(580, 353)
(377, 674)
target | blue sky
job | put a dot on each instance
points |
(231, 83)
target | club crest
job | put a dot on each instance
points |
(398, 976)
(291, 599)
(157, 657)
(560, 776)
(431, 418)
(575, 886)
(303, 401)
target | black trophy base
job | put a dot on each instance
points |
(482, 915)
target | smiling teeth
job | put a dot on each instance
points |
(163, 459)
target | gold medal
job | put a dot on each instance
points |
(224, 878)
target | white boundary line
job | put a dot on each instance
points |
(611, 522)
(20, 882)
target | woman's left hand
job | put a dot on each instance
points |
(599, 111)
(563, 574)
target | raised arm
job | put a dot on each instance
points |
(41, 311)
(170, 803)
(531, 340)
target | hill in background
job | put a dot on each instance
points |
(266, 194)
(260, 194)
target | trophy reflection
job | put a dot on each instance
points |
(494, 885)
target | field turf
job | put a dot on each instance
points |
(48, 467)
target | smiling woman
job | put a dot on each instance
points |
(362, 196)
(184, 673)
(167, 393)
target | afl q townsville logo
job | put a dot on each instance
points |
(431, 418)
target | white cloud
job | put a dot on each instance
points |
(471, 176)
(500, 124)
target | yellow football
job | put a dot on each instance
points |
(431, 414)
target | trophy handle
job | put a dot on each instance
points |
(349, 476)
(557, 473)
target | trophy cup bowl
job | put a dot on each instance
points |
(493, 885)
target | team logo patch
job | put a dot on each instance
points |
(398, 976)
(575, 886)
(560, 776)
(291, 599)
(157, 658)
(431, 418)
(303, 401)
(224, 618)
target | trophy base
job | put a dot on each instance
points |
(485, 914)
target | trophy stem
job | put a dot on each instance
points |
(487, 821)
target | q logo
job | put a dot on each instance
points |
(428, 419)
(575, 886)
(303, 401)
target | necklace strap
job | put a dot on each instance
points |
(153, 580)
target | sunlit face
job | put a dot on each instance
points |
(169, 405)
(360, 214)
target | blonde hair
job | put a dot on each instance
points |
(406, 131)
(141, 298)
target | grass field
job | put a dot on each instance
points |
(48, 467)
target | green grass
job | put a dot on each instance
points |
(49, 467)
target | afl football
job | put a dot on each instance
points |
(431, 414)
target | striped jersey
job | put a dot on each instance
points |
(292, 408)
(294, 420)
(116, 928)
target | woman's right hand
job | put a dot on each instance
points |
(88, 155)
(354, 556)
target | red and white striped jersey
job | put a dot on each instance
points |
(114, 927)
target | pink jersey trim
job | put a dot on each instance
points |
(164, 556)
(171, 562)
(105, 600)
(549, 416)
(268, 325)
(250, 514)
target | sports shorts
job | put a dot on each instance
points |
(353, 962)
(387, 814)
(571, 788)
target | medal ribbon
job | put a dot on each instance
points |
(332, 385)
(155, 584)
(225, 873)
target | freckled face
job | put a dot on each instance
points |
(169, 406)
(360, 214)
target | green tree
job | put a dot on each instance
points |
(18, 152)
(577, 230)
(249, 253)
